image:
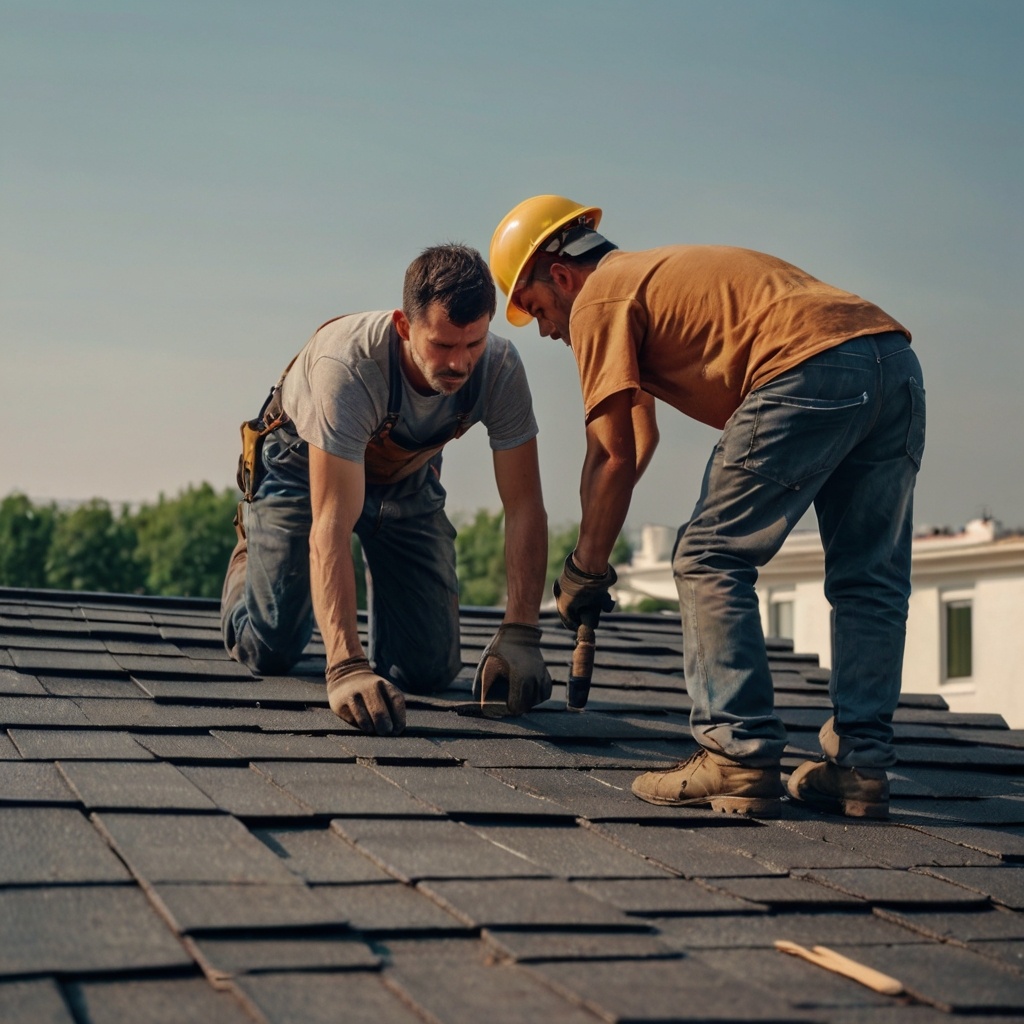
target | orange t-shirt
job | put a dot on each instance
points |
(700, 326)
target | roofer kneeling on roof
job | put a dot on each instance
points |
(351, 442)
(820, 401)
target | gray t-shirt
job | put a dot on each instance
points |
(336, 392)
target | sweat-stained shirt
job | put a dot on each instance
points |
(701, 326)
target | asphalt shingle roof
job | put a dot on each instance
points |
(180, 841)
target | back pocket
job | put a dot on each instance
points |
(789, 439)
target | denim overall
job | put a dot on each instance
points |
(408, 544)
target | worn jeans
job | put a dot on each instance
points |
(844, 430)
(409, 547)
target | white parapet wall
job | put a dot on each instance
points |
(965, 630)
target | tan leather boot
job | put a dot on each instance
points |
(853, 792)
(711, 780)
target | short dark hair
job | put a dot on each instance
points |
(454, 275)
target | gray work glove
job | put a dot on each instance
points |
(363, 699)
(512, 669)
(581, 596)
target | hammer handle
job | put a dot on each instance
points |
(581, 668)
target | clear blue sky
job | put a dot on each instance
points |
(190, 188)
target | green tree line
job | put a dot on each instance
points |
(180, 547)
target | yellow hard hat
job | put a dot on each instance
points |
(522, 232)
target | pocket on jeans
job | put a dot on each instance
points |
(916, 431)
(789, 439)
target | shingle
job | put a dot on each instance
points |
(792, 893)
(888, 888)
(32, 782)
(83, 929)
(47, 845)
(156, 1001)
(966, 925)
(776, 846)
(1004, 884)
(84, 686)
(19, 683)
(979, 844)
(46, 711)
(969, 757)
(686, 851)
(826, 926)
(78, 744)
(948, 977)
(528, 946)
(244, 792)
(234, 690)
(283, 746)
(352, 790)
(527, 903)
(469, 987)
(411, 850)
(665, 897)
(63, 662)
(8, 751)
(909, 781)
(885, 844)
(185, 747)
(463, 791)
(319, 855)
(999, 810)
(231, 956)
(597, 795)
(568, 851)
(150, 667)
(687, 989)
(307, 998)
(192, 848)
(394, 749)
(34, 1002)
(117, 785)
(389, 909)
(247, 908)
(814, 990)
(1009, 952)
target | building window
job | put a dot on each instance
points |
(780, 614)
(959, 640)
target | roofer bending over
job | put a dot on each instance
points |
(820, 400)
(359, 421)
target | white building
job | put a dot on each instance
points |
(965, 631)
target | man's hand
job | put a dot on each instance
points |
(578, 593)
(363, 699)
(512, 669)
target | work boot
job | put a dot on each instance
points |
(708, 779)
(853, 792)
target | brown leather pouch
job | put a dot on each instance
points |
(254, 433)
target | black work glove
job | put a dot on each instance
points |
(580, 594)
(512, 669)
(363, 699)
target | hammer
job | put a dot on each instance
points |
(581, 665)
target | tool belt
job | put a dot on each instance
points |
(254, 433)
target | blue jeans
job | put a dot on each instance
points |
(409, 547)
(844, 430)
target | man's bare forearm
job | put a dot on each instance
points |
(333, 587)
(606, 489)
(526, 561)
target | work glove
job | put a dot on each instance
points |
(512, 669)
(581, 596)
(363, 699)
